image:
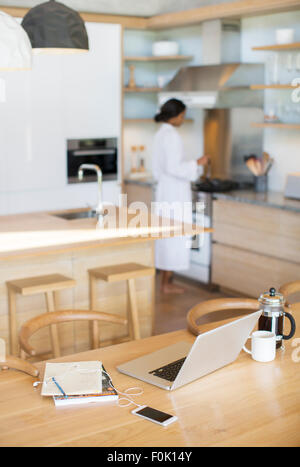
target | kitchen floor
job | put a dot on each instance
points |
(171, 310)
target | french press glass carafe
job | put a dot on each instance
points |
(272, 317)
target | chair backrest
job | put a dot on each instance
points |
(290, 288)
(16, 363)
(206, 308)
(56, 317)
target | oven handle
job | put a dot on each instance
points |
(93, 152)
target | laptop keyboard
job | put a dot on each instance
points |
(170, 371)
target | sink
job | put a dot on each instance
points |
(76, 215)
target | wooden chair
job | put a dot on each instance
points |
(121, 272)
(56, 317)
(49, 285)
(288, 289)
(16, 363)
(221, 309)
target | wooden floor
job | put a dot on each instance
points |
(171, 310)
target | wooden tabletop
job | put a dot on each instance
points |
(243, 404)
(23, 235)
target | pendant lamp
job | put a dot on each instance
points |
(15, 46)
(55, 28)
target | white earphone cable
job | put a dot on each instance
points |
(127, 395)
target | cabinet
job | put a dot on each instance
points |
(62, 97)
(255, 247)
(137, 192)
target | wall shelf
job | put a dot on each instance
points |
(153, 58)
(291, 126)
(142, 89)
(150, 120)
(272, 86)
(291, 46)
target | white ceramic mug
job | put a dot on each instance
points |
(263, 346)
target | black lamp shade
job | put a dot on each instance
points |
(53, 25)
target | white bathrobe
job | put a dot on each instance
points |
(174, 175)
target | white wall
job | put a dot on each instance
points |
(62, 97)
(282, 144)
(143, 134)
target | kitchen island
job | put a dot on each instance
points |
(50, 242)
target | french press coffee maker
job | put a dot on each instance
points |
(272, 317)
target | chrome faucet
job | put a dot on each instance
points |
(99, 208)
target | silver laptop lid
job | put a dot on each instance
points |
(216, 348)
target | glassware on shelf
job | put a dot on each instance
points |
(297, 62)
(279, 111)
(271, 116)
(161, 81)
(141, 167)
(289, 62)
(131, 82)
(269, 69)
(275, 68)
(133, 159)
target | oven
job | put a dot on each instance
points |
(201, 245)
(100, 151)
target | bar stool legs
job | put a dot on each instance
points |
(51, 300)
(133, 309)
(123, 272)
(48, 285)
(94, 325)
(13, 330)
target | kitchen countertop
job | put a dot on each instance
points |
(147, 181)
(23, 235)
(270, 199)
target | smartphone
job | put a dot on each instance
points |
(154, 415)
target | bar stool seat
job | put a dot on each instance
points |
(115, 273)
(49, 285)
(41, 284)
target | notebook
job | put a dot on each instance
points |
(72, 378)
(108, 394)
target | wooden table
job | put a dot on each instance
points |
(243, 404)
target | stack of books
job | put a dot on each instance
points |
(78, 383)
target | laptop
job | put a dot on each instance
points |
(181, 363)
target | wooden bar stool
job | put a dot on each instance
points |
(121, 272)
(49, 285)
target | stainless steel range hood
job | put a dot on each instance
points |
(222, 81)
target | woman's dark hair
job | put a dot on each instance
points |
(170, 109)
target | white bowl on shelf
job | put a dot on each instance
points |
(165, 48)
(285, 36)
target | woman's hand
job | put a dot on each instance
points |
(203, 160)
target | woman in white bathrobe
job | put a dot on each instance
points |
(174, 175)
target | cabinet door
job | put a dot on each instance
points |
(249, 273)
(92, 85)
(143, 194)
(269, 231)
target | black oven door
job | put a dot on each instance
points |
(104, 155)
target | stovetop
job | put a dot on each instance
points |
(217, 185)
